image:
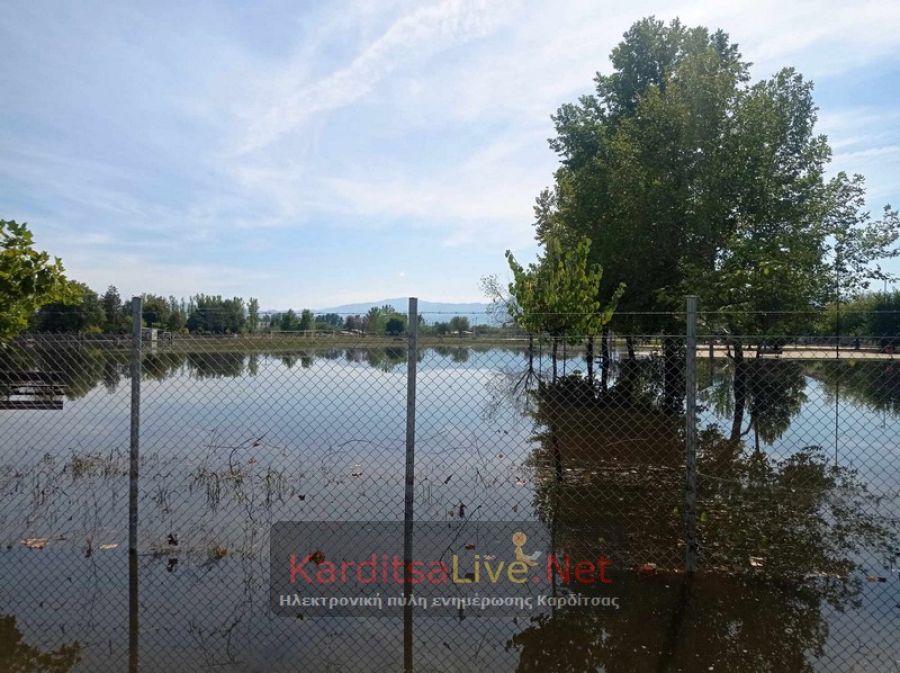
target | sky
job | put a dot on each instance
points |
(314, 154)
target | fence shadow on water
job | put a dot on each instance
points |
(795, 511)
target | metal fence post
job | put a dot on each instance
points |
(690, 438)
(134, 455)
(411, 359)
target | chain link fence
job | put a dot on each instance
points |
(768, 465)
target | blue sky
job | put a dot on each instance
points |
(312, 154)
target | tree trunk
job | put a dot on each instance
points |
(740, 391)
(555, 349)
(604, 358)
(673, 374)
(589, 359)
(629, 343)
(557, 460)
(530, 354)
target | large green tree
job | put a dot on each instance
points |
(28, 279)
(687, 178)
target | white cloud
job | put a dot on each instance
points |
(427, 118)
(532, 58)
(135, 273)
(489, 195)
(424, 31)
(821, 37)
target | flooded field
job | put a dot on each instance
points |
(798, 507)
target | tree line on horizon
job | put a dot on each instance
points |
(76, 308)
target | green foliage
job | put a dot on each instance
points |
(155, 310)
(459, 324)
(689, 180)
(83, 312)
(175, 322)
(395, 325)
(375, 321)
(856, 243)
(307, 320)
(17, 656)
(355, 323)
(253, 315)
(288, 321)
(113, 311)
(209, 313)
(874, 314)
(884, 320)
(558, 294)
(28, 279)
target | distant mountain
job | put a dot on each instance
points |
(432, 311)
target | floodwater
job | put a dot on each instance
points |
(797, 510)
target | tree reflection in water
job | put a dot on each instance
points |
(81, 369)
(677, 623)
(770, 392)
(17, 656)
(780, 536)
(874, 384)
(780, 539)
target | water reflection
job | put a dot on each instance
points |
(873, 384)
(81, 369)
(679, 623)
(456, 354)
(769, 392)
(17, 656)
(782, 539)
(785, 533)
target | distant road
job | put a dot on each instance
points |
(803, 353)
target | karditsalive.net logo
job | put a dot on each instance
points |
(316, 569)
(358, 568)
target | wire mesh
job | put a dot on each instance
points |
(796, 520)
